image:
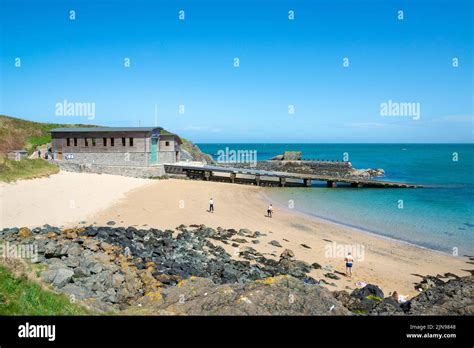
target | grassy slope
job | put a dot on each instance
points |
(16, 133)
(25, 169)
(20, 296)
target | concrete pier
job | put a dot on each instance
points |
(271, 178)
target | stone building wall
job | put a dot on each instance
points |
(108, 158)
(137, 172)
(167, 157)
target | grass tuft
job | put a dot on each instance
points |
(25, 169)
(20, 296)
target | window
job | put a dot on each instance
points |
(86, 142)
(93, 141)
(68, 142)
(123, 142)
(167, 143)
(112, 141)
(104, 141)
(131, 141)
(75, 141)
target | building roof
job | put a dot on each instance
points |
(103, 129)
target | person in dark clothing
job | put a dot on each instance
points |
(270, 211)
(211, 205)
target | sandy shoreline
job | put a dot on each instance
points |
(168, 203)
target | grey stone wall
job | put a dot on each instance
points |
(108, 158)
(137, 172)
(166, 157)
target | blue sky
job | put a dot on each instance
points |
(282, 63)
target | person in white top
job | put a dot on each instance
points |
(211, 206)
(349, 261)
(270, 211)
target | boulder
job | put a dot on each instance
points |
(58, 277)
(368, 290)
(287, 254)
(275, 243)
(332, 276)
(24, 232)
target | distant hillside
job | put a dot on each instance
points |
(16, 133)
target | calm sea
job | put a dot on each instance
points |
(439, 217)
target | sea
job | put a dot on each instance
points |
(438, 217)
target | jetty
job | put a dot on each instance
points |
(260, 177)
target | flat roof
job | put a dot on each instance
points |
(103, 129)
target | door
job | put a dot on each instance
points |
(153, 150)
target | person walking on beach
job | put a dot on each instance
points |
(211, 206)
(270, 211)
(39, 153)
(349, 261)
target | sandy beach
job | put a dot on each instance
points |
(69, 198)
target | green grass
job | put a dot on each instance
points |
(25, 169)
(16, 134)
(374, 298)
(360, 311)
(32, 142)
(20, 296)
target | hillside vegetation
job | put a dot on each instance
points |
(21, 296)
(25, 169)
(16, 134)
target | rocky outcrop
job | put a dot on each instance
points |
(283, 295)
(453, 297)
(186, 271)
(114, 268)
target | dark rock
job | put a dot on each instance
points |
(282, 296)
(368, 290)
(287, 254)
(275, 243)
(111, 223)
(454, 297)
(332, 276)
(316, 265)
(388, 306)
(53, 249)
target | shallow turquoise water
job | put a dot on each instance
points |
(439, 217)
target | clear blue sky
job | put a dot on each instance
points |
(283, 63)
